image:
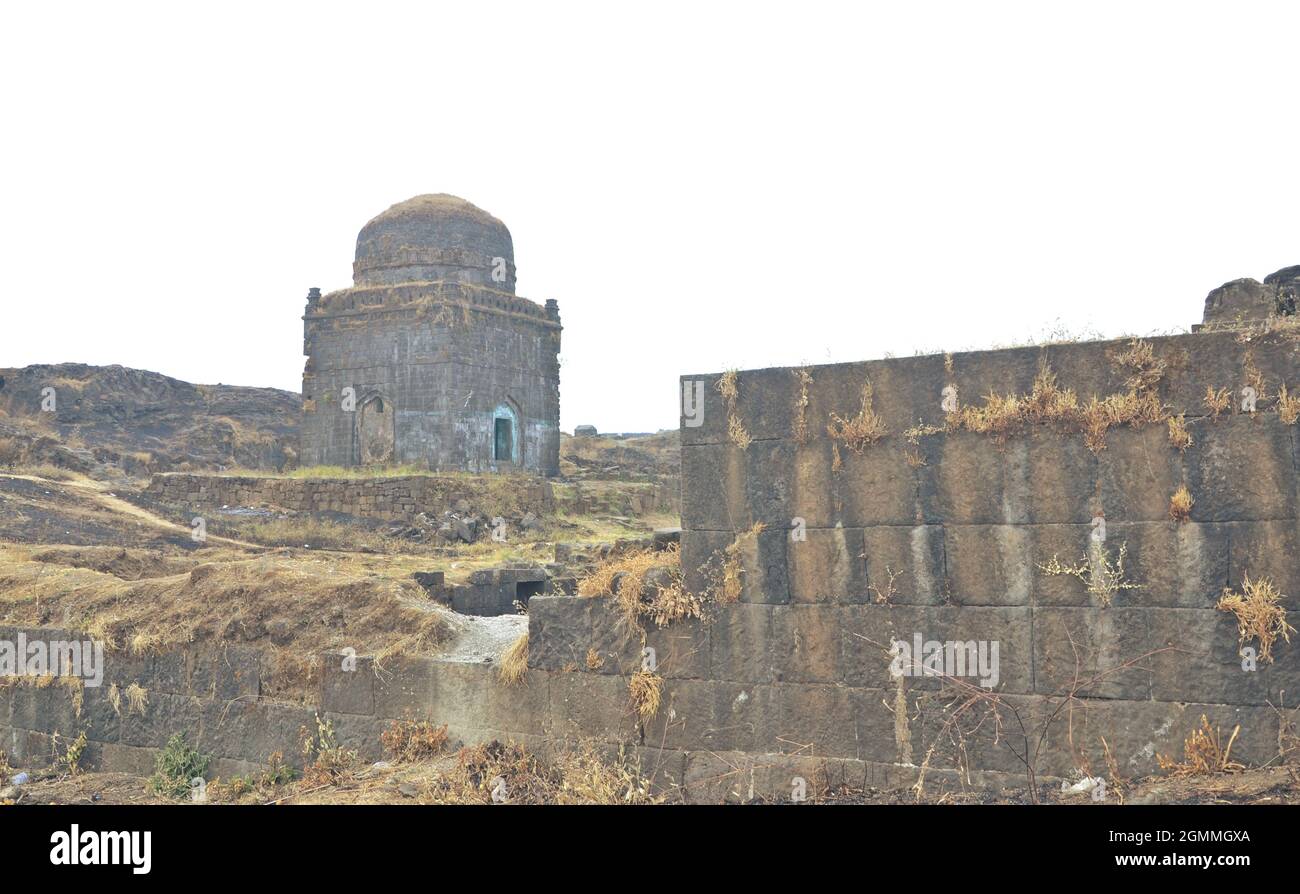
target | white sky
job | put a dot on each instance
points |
(700, 185)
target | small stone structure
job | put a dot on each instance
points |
(431, 359)
(1245, 301)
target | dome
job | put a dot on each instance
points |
(433, 238)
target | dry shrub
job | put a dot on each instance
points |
(646, 689)
(594, 661)
(1259, 614)
(732, 583)
(1180, 504)
(1102, 576)
(572, 775)
(663, 600)
(729, 387)
(1145, 369)
(861, 431)
(330, 764)
(1288, 407)
(1049, 403)
(1203, 754)
(1179, 437)
(137, 699)
(1254, 378)
(514, 661)
(1131, 408)
(1217, 401)
(411, 740)
(886, 596)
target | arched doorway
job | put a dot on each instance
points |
(375, 430)
(505, 434)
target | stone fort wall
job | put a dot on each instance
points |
(937, 533)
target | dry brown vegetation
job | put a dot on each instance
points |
(514, 661)
(1049, 403)
(413, 740)
(1217, 401)
(577, 775)
(1260, 615)
(646, 585)
(729, 387)
(646, 689)
(1203, 753)
(861, 431)
(299, 606)
(1179, 437)
(1180, 504)
(1288, 406)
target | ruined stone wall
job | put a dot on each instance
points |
(939, 533)
(945, 534)
(386, 499)
(442, 358)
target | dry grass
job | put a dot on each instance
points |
(330, 764)
(1254, 378)
(1049, 403)
(1260, 615)
(137, 699)
(1102, 576)
(1145, 369)
(729, 387)
(1180, 504)
(572, 775)
(407, 741)
(861, 431)
(1288, 407)
(1203, 753)
(646, 689)
(1179, 437)
(300, 607)
(1217, 402)
(514, 661)
(732, 583)
(624, 578)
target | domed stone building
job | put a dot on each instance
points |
(431, 359)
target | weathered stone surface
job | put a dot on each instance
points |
(905, 566)
(827, 565)
(1242, 469)
(347, 684)
(989, 564)
(1093, 652)
(559, 631)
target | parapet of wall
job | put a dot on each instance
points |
(386, 499)
(945, 534)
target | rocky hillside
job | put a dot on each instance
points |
(141, 421)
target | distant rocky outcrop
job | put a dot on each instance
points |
(1245, 301)
(142, 421)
